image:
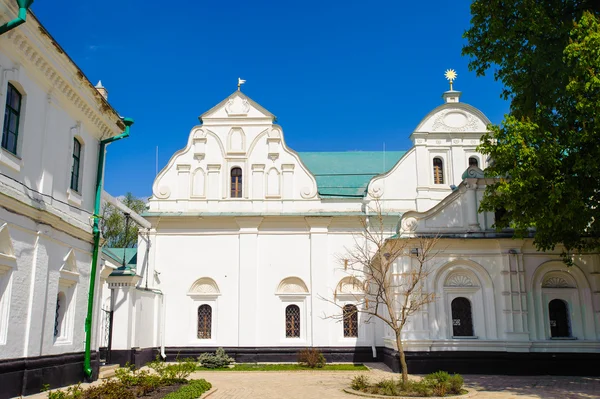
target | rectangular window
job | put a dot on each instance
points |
(76, 165)
(12, 114)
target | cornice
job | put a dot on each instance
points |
(32, 42)
(49, 215)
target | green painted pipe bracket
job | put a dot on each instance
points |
(21, 18)
(87, 362)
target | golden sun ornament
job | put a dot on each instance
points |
(451, 75)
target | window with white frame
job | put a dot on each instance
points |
(292, 292)
(438, 170)
(348, 294)
(12, 119)
(204, 322)
(204, 293)
(76, 165)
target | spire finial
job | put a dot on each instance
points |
(240, 83)
(451, 75)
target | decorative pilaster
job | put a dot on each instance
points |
(183, 181)
(213, 181)
(514, 294)
(288, 180)
(248, 281)
(258, 181)
(319, 277)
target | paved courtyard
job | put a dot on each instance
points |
(329, 385)
(319, 384)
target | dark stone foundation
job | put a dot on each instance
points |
(502, 363)
(26, 376)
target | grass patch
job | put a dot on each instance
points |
(287, 367)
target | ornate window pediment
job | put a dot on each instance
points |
(291, 286)
(556, 282)
(204, 286)
(459, 280)
(69, 275)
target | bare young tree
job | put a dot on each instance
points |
(392, 296)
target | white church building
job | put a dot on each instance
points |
(246, 239)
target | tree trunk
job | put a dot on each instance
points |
(403, 367)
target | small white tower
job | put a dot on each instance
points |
(102, 90)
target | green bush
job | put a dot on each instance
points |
(359, 383)
(388, 387)
(192, 390)
(456, 384)
(442, 383)
(216, 360)
(312, 358)
(173, 373)
(110, 389)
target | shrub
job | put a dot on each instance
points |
(216, 360)
(173, 373)
(192, 390)
(388, 387)
(440, 382)
(456, 384)
(359, 383)
(312, 358)
(110, 389)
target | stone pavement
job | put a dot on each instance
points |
(323, 384)
(329, 384)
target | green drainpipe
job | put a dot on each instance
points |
(87, 364)
(23, 6)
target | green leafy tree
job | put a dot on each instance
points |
(546, 151)
(118, 232)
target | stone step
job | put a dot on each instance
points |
(107, 371)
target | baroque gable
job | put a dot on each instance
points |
(454, 118)
(239, 135)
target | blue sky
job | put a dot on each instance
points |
(339, 75)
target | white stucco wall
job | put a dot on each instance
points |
(46, 241)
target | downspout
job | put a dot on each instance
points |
(22, 16)
(87, 363)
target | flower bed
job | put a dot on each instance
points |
(167, 381)
(440, 384)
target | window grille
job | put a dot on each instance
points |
(560, 326)
(350, 321)
(462, 318)
(57, 317)
(292, 321)
(204, 322)
(473, 161)
(438, 171)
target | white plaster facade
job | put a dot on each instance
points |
(236, 253)
(508, 282)
(45, 230)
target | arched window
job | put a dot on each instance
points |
(473, 161)
(292, 321)
(204, 322)
(350, 321)
(462, 318)
(76, 165)
(236, 183)
(560, 323)
(438, 171)
(12, 114)
(61, 307)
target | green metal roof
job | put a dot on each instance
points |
(117, 254)
(347, 174)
